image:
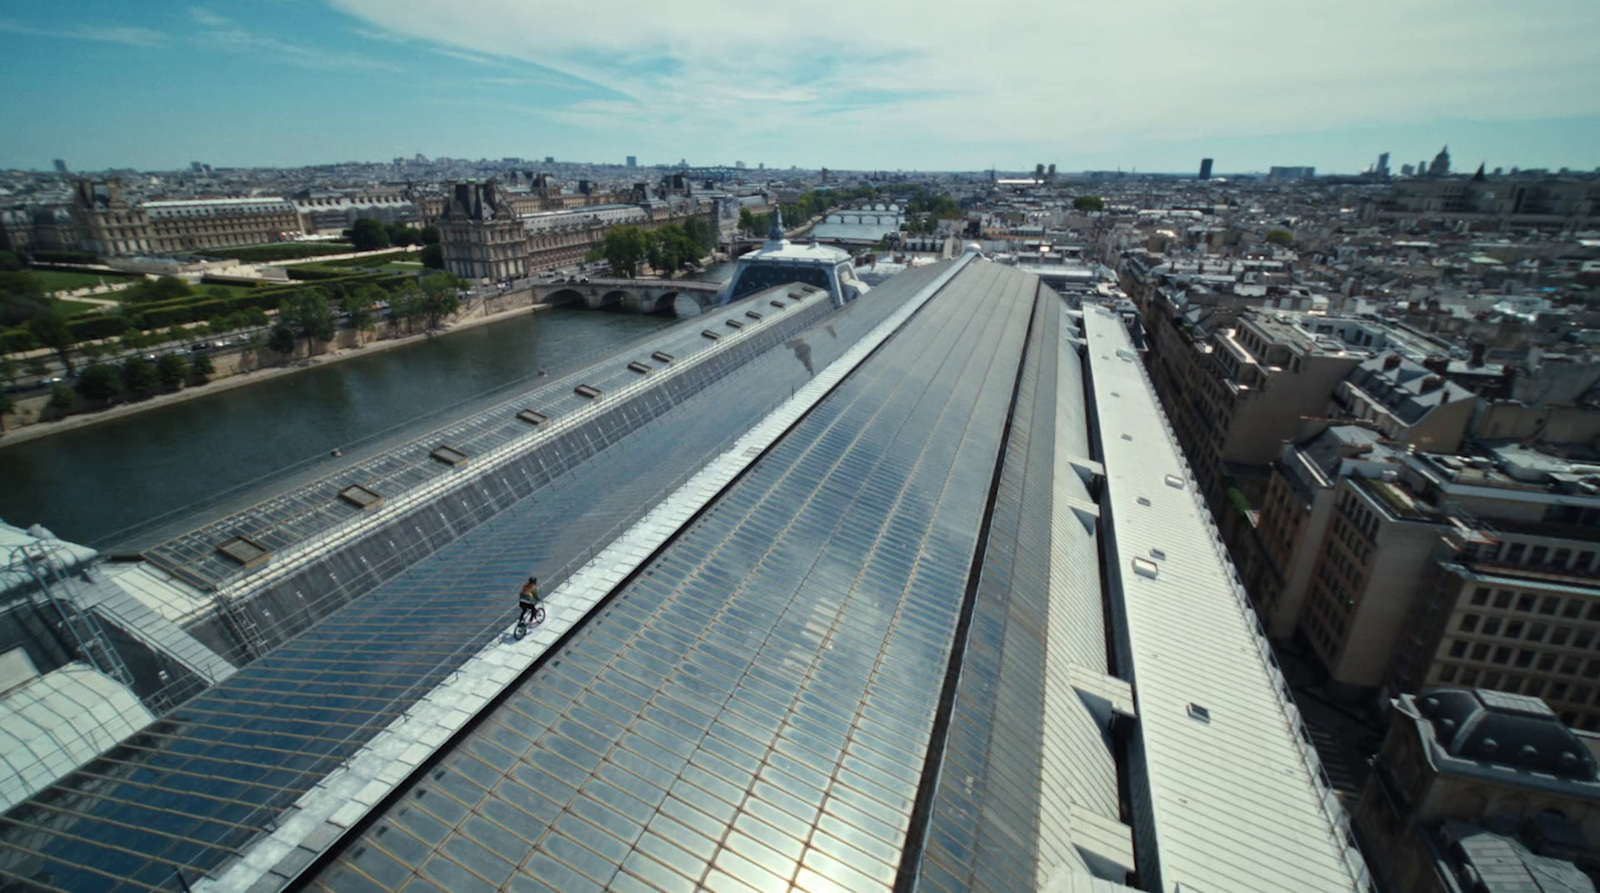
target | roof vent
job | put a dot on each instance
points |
(449, 455)
(778, 304)
(639, 367)
(587, 390)
(1174, 482)
(360, 497)
(533, 417)
(752, 314)
(1128, 437)
(247, 552)
(661, 356)
(707, 333)
(1144, 567)
(1158, 555)
(735, 324)
(1143, 500)
(1490, 745)
(1198, 712)
(1528, 752)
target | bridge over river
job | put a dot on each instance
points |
(642, 295)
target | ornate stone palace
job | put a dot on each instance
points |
(489, 231)
(109, 225)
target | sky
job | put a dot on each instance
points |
(1150, 85)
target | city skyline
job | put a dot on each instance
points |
(1154, 86)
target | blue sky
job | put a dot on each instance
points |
(898, 84)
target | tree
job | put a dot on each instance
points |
(36, 367)
(133, 339)
(433, 256)
(280, 339)
(10, 262)
(401, 235)
(139, 375)
(201, 369)
(701, 234)
(406, 304)
(1280, 237)
(8, 405)
(22, 299)
(8, 371)
(305, 312)
(429, 235)
(359, 305)
(61, 397)
(171, 370)
(99, 381)
(52, 332)
(1089, 203)
(368, 235)
(150, 291)
(747, 221)
(670, 249)
(441, 297)
(624, 248)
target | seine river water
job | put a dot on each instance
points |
(95, 484)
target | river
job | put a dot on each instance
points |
(94, 484)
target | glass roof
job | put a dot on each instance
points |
(206, 779)
(754, 708)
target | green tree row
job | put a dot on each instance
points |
(667, 250)
(367, 234)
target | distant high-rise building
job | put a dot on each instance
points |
(1292, 172)
(1038, 172)
(549, 159)
(61, 166)
(1050, 174)
(761, 166)
(197, 167)
(633, 161)
(1382, 169)
(1441, 163)
(1407, 170)
(738, 165)
(1205, 168)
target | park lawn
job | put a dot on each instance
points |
(73, 308)
(58, 280)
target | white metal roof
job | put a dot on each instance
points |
(1232, 801)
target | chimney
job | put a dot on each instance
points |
(1437, 364)
(1391, 362)
(1477, 354)
(1430, 384)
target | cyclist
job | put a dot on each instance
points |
(528, 601)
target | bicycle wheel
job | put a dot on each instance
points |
(538, 615)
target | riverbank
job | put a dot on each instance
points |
(36, 430)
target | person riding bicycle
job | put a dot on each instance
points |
(528, 600)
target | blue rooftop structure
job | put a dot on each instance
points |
(887, 596)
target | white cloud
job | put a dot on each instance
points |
(127, 35)
(220, 32)
(1073, 73)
